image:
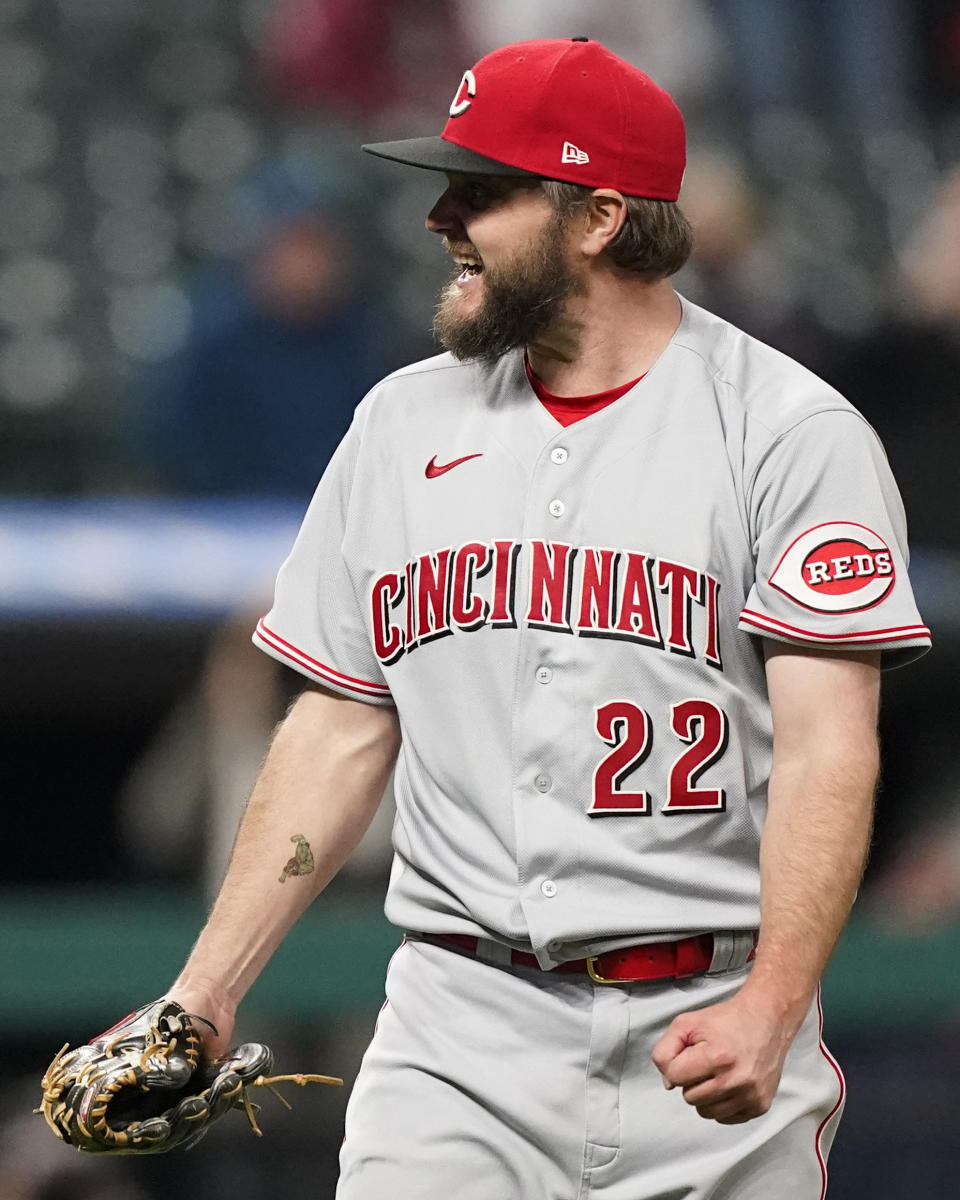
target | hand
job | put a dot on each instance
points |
(727, 1058)
(207, 1005)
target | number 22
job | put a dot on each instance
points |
(628, 730)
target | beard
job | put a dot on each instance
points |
(521, 300)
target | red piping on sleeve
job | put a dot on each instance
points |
(895, 634)
(323, 672)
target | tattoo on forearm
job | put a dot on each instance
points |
(302, 861)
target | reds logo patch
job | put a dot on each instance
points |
(838, 567)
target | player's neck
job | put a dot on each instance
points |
(615, 334)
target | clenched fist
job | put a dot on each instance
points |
(727, 1059)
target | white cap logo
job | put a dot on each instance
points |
(573, 154)
(836, 568)
(466, 90)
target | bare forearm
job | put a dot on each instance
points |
(318, 791)
(728, 1058)
(812, 856)
(819, 816)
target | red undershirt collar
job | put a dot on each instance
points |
(568, 409)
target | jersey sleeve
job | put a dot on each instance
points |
(316, 623)
(830, 543)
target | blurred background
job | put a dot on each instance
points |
(200, 276)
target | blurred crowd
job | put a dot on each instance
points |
(200, 276)
(191, 244)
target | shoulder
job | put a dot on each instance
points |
(430, 376)
(437, 386)
(772, 391)
(437, 364)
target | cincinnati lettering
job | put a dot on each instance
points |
(584, 591)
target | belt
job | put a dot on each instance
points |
(633, 964)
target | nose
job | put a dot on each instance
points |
(444, 218)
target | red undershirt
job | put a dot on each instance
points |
(567, 409)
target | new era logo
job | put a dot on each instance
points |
(573, 154)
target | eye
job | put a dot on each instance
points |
(479, 195)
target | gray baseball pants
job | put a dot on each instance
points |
(494, 1083)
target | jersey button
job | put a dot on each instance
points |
(544, 675)
(543, 783)
(549, 888)
(559, 455)
(556, 508)
(554, 944)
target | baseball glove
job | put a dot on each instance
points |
(144, 1086)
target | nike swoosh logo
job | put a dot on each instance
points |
(433, 469)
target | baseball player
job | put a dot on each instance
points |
(612, 584)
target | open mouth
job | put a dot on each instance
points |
(468, 265)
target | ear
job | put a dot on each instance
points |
(601, 220)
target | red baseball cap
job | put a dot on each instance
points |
(564, 109)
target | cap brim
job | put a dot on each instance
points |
(436, 154)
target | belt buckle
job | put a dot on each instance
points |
(595, 974)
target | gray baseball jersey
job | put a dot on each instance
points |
(567, 621)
